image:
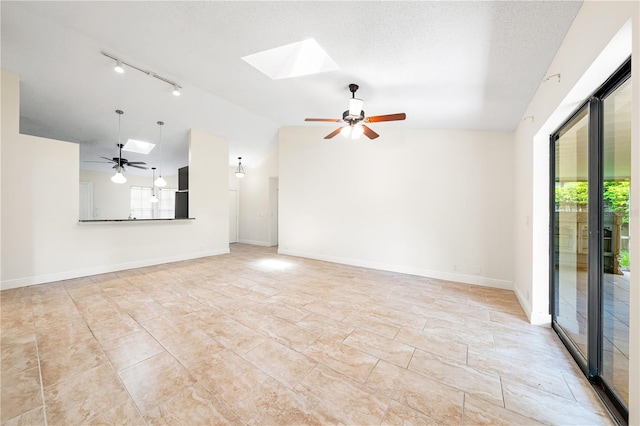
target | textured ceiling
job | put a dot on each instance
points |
(452, 65)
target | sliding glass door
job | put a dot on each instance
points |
(590, 270)
(615, 239)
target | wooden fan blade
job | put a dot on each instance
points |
(369, 133)
(329, 120)
(137, 167)
(136, 162)
(110, 159)
(332, 134)
(388, 117)
(102, 162)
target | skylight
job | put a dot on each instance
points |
(293, 60)
(139, 147)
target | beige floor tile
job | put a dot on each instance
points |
(31, 418)
(62, 362)
(387, 349)
(114, 328)
(53, 337)
(479, 412)
(192, 406)
(373, 324)
(536, 375)
(527, 401)
(436, 400)
(431, 343)
(20, 393)
(228, 376)
(344, 359)
(341, 317)
(273, 404)
(343, 398)
(289, 334)
(235, 336)
(283, 364)
(130, 349)
(152, 381)
(18, 353)
(83, 396)
(121, 415)
(326, 327)
(480, 384)
(400, 414)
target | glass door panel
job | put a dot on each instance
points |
(615, 240)
(572, 230)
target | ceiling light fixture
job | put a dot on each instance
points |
(119, 68)
(119, 177)
(240, 169)
(160, 182)
(153, 199)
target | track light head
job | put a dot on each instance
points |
(118, 68)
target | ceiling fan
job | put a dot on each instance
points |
(120, 163)
(354, 118)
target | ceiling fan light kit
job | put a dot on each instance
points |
(354, 118)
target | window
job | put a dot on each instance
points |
(143, 208)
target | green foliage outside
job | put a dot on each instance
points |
(616, 196)
(572, 193)
(624, 259)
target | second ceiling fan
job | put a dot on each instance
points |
(354, 118)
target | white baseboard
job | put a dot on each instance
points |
(66, 275)
(535, 318)
(467, 279)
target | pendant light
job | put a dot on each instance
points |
(240, 169)
(153, 199)
(119, 177)
(160, 182)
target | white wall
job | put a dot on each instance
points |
(42, 240)
(114, 201)
(597, 42)
(255, 209)
(425, 202)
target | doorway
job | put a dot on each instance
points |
(590, 271)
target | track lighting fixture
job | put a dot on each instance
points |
(160, 182)
(119, 68)
(240, 169)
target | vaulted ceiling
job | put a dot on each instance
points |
(451, 65)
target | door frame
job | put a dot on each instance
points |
(592, 365)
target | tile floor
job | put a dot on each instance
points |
(253, 337)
